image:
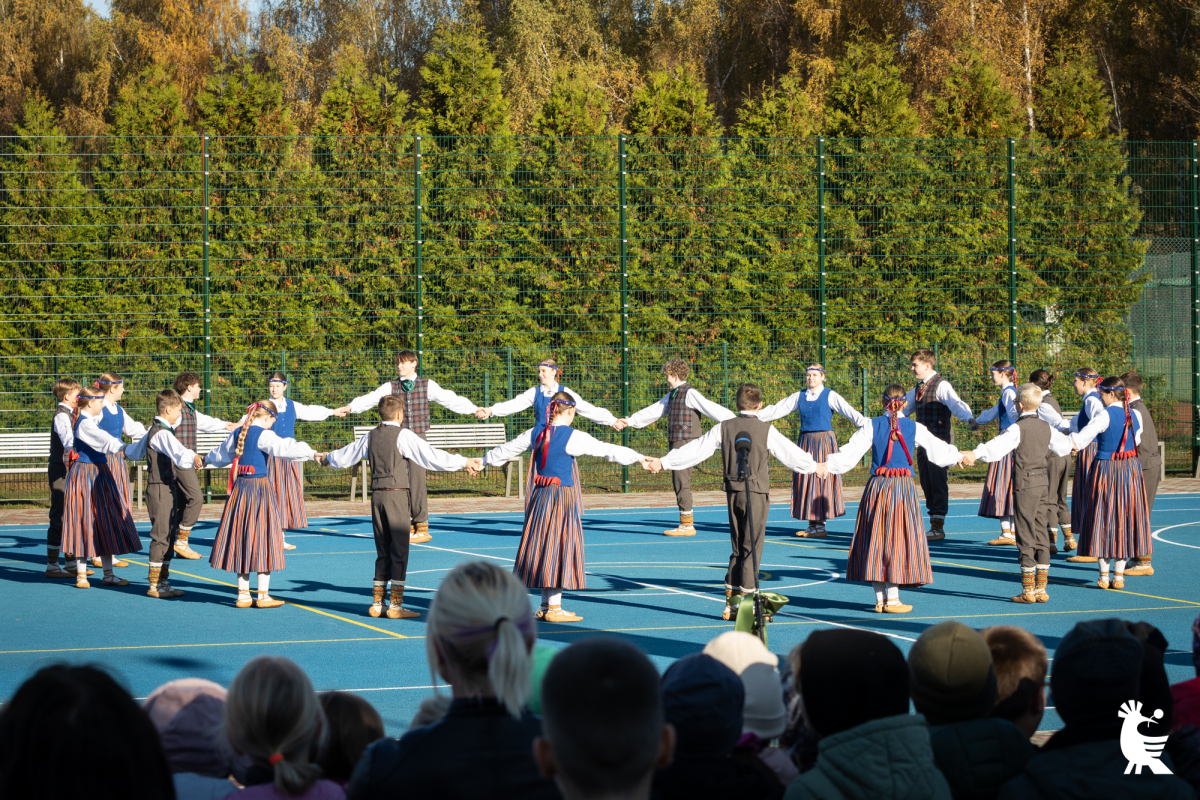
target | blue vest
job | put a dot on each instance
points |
(1109, 440)
(558, 463)
(1084, 416)
(112, 422)
(882, 428)
(251, 455)
(88, 455)
(815, 415)
(285, 422)
(1006, 421)
(541, 403)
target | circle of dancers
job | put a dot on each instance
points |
(1112, 439)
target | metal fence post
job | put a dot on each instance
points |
(508, 361)
(865, 410)
(624, 302)
(725, 374)
(821, 242)
(204, 164)
(1012, 250)
(283, 368)
(417, 252)
(1195, 219)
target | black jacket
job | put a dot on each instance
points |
(478, 750)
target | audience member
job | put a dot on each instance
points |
(703, 699)
(1020, 662)
(478, 638)
(353, 724)
(66, 719)
(188, 714)
(602, 720)
(800, 741)
(1097, 668)
(764, 716)
(273, 717)
(432, 709)
(953, 684)
(1182, 751)
(854, 687)
(1187, 693)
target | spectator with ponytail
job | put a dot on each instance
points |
(550, 556)
(250, 535)
(889, 548)
(1116, 520)
(273, 717)
(478, 639)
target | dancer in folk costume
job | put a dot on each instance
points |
(682, 407)
(997, 499)
(1149, 456)
(187, 481)
(1116, 522)
(96, 523)
(550, 555)
(62, 440)
(1058, 467)
(250, 535)
(748, 498)
(814, 498)
(390, 447)
(889, 548)
(287, 481)
(932, 403)
(1028, 444)
(418, 393)
(116, 421)
(539, 397)
(1085, 386)
(167, 459)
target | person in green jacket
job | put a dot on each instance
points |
(854, 686)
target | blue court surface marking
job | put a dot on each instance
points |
(663, 594)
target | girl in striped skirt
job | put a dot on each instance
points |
(539, 397)
(550, 556)
(1085, 386)
(287, 481)
(1116, 521)
(96, 522)
(814, 498)
(997, 499)
(250, 536)
(115, 421)
(889, 549)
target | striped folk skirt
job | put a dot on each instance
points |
(550, 555)
(250, 536)
(816, 498)
(1079, 494)
(889, 540)
(533, 473)
(997, 499)
(120, 473)
(288, 486)
(95, 519)
(1118, 519)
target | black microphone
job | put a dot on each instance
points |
(742, 445)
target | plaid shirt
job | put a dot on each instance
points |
(416, 404)
(683, 423)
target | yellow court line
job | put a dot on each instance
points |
(290, 603)
(203, 644)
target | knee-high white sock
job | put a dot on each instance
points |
(243, 583)
(81, 567)
(1103, 562)
(1119, 567)
(893, 592)
(1006, 526)
(555, 597)
(879, 591)
(107, 563)
(264, 583)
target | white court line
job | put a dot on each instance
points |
(1155, 535)
(463, 552)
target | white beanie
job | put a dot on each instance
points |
(763, 713)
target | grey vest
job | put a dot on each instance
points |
(162, 470)
(1148, 448)
(1030, 458)
(389, 470)
(757, 461)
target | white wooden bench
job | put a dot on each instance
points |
(17, 449)
(204, 443)
(475, 436)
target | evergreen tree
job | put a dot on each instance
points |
(783, 111)
(974, 104)
(462, 95)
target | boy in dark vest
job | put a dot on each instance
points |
(191, 421)
(392, 450)
(748, 498)
(417, 393)
(1148, 455)
(1031, 440)
(682, 406)
(62, 441)
(932, 403)
(167, 458)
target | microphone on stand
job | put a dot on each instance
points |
(742, 445)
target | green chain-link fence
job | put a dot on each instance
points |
(749, 258)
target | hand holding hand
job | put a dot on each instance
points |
(341, 412)
(231, 426)
(620, 424)
(482, 413)
(198, 462)
(967, 460)
(474, 466)
(654, 465)
(822, 470)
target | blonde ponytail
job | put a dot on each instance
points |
(259, 410)
(481, 625)
(273, 716)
